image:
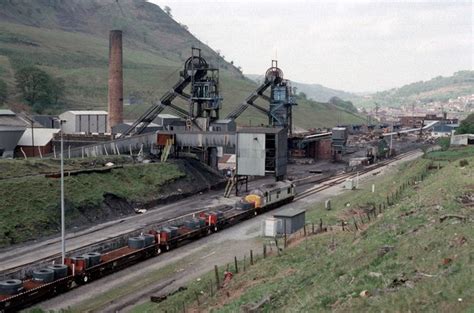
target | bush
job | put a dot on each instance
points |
(444, 142)
(463, 163)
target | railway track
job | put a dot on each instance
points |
(340, 178)
(325, 184)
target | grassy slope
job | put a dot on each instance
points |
(79, 54)
(29, 206)
(329, 271)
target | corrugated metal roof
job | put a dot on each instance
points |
(6, 112)
(167, 116)
(291, 212)
(12, 120)
(42, 136)
(85, 112)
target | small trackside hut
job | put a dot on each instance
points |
(292, 220)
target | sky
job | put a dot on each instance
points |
(359, 46)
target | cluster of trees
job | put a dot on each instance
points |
(3, 92)
(347, 105)
(38, 89)
(467, 125)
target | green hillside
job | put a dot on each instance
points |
(69, 39)
(414, 256)
(437, 89)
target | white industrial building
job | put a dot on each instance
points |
(85, 122)
(12, 128)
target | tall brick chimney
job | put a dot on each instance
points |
(115, 98)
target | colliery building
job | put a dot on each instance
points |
(12, 128)
(86, 122)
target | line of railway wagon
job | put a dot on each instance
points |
(44, 283)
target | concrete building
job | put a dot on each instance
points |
(86, 122)
(462, 140)
(36, 142)
(11, 129)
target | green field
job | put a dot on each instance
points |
(407, 259)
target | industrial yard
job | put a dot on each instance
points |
(142, 171)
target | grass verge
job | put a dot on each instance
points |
(412, 257)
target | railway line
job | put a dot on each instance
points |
(340, 178)
(322, 184)
(230, 217)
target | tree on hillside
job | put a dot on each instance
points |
(467, 125)
(167, 10)
(343, 104)
(38, 88)
(3, 92)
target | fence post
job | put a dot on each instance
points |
(245, 266)
(312, 228)
(264, 251)
(216, 272)
(305, 230)
(251, 257)
(321, 224)
(236, 267)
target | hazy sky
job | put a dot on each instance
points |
(350, 45)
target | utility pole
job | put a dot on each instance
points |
(63, 227)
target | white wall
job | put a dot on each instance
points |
(84, 123)
(251, 154)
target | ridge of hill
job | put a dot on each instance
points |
(439, 88)
(314, 92)
(69, 39)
